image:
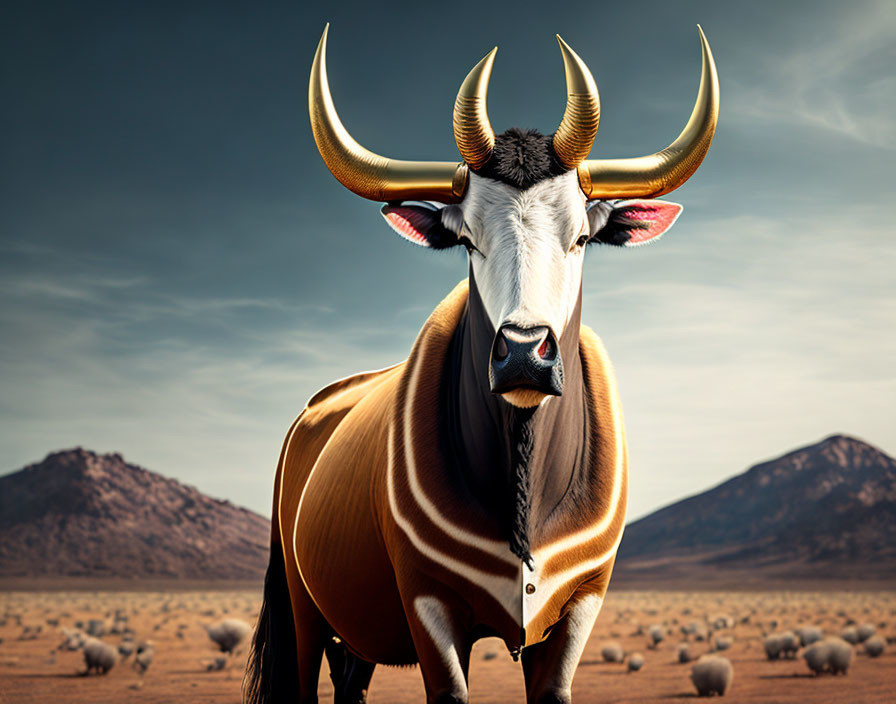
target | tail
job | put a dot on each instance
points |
(271, 673)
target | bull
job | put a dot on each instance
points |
(478, 488)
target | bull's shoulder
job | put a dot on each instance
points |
(326, 409)
(310, 432)
(348, 391)
(329, 405)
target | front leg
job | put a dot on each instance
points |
(442, 646)
(550, 665)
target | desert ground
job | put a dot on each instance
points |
(34, 669)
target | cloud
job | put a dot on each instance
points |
(734, 338)
(201, 388)
(782, 335)
(179, 299)
(831, 79)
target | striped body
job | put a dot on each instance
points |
(376, 528)
(480, 487)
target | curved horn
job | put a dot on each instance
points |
(363, 172)
(472, 130)
(654, 175)
(575, 135)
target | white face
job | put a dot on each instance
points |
(530, 249)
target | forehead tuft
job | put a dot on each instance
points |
(522, 158)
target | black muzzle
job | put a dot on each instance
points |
(526, 358)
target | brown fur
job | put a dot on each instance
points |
(352, 566)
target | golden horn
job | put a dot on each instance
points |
(654, 175)
(363, 172)
(472, 130)
(575, 135)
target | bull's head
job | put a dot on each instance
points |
(524, 205)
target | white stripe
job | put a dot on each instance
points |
(543, 554)
(434, 617)
(580, 623)
(504, 590)
(531, 604)
(501, 588)
(546, 589)
(497, 548)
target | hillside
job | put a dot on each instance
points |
(823, 511)
(80, 514)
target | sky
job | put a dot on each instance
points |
(179, 271)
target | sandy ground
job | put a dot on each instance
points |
(32, 669)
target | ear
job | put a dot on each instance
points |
(630, 223)
(427, 224)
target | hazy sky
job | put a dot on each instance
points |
(180, 272)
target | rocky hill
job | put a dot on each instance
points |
(80, 514)
(824, 511)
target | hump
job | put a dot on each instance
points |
(326, 409)
(309, 434)
(348, 391)
(342, 395)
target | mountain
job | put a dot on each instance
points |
(81, 514)
(823, 511)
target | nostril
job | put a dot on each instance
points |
(525, 358)
(501, 350)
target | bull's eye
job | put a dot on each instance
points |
(465, 241)
(582, 241)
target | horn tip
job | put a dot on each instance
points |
(485, 63)
(322, 44)
(570, 56)
(704, 43)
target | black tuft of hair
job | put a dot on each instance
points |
(521, 501)
(522, 158)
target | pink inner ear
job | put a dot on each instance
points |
(657, 215)
(408, 223)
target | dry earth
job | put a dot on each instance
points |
(33, 670)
